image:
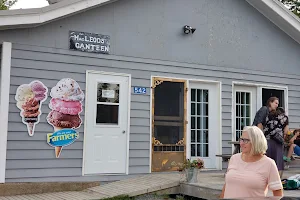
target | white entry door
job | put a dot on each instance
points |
(245, 107)
(204, 126)
(106, 124)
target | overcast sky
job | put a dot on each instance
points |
(30, 4)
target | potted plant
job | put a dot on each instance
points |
(191, 169)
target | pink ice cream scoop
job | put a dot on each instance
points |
(39, 90)
(66, 107)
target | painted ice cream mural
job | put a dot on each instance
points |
(65, 105)
(29, 99)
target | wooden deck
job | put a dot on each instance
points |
(209, 187)
(132, 187)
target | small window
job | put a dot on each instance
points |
(107, 92)
(107, 103)
(107, 114)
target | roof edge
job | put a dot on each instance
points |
(280, 16)
(22, 18)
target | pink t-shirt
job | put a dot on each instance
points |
(251, 179)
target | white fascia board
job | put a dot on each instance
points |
(279, 15)
(39, 16)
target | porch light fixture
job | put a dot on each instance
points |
(188, 29)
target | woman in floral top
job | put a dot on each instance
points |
(275, 130)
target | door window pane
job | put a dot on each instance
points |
(193, 136)
(205, 96)
(242, 112)
(205, 122)
(108, 92)
(193, 150)
(193, 109)
(205, 137)
(193, 123)
(193, 93)
(199, 108)
(199, 122)
(205, 150)
(107, 114)
(199, 95)
(198, 136)
(205, 109)
(199, 150)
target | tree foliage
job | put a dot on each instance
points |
(6, 4)
(293, 5)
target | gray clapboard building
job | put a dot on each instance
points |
(163, 80)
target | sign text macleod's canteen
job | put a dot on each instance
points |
(89, 42)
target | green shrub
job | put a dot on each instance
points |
(122, 197)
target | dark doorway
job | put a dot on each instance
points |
(267, 93)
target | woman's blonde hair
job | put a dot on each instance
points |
(257, 139)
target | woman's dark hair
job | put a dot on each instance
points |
(295, 131)
(280, 110)
(271, 100)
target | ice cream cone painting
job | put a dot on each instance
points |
(66, 106)
(29, 99)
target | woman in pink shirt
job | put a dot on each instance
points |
(251, 173)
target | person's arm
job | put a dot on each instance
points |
(274, 181)
(228, 167)
(260, 126)
(294, 138)
(285, 131)
(278, 193)
(223, 191)
(260, 117)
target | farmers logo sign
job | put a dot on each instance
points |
(61, 138)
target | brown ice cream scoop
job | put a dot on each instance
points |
(31, 105)
(31, 108)
(63, 120)
(31, 113)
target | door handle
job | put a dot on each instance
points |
(123, 132)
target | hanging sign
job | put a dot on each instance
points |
(89, 42)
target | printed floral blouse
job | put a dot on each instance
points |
(275, 123)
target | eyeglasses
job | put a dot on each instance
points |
(244, 140)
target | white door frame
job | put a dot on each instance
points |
(5, 67)
(128, 117)
(188, 141)
(258, 98)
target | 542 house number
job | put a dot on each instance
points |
(139, 90)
